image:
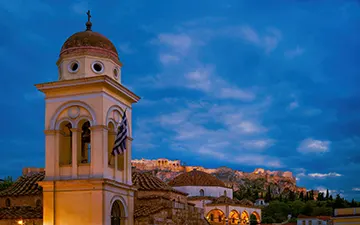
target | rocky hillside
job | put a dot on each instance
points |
(259, 180)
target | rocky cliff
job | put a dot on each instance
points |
(260, 180)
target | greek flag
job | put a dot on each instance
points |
(120, 140)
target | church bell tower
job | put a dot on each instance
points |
(84, 183)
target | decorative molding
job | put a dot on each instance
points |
(50, 132)
(67, 105)
(58, 123)
(74, 112)
(99, 127)
(77, 121)
(123, 204)
(89, 80)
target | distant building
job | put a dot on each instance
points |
(314, 220)
(260, 202)
(211, 195)
(346, 216)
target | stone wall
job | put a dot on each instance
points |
(21, 201)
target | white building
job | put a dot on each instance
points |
(211, 194)
(313, 220)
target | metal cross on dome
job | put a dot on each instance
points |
(88, 23)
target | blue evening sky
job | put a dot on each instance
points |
(237, 83)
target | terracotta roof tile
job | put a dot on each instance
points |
(23, 212)
(146, 210)
(148, 182)
(25, 185)
(196, 178)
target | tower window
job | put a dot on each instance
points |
(97, 67)
(116, 73)
(38, 203)
(73, 67)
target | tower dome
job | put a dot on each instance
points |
(89, 43)
(88, 53)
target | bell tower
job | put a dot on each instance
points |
(84, 183)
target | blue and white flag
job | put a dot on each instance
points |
(120, 140)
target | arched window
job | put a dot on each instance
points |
(211, 217)
(115, 214)
(7, 202)
(38, 203)
(202, 193)
(225, 194)
(65, 148)
(85, 143)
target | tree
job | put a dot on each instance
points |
(327, 194)
(331, 198)
(353, 203)
(276, 210)
(311, 195)
(301, 196)
(292, 196)
(296, 207)
(321, 196)
(253, 220)
(7, 182)
(268, 195)
(339, 202)
(308, 208)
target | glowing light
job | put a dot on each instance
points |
(20, 222)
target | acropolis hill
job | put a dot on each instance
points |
(279, 181)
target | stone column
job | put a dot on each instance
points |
(98, 153)
(76, 138)
(127, 159)
(51, 150)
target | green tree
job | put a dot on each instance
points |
(253, 219)
(301, 197)
(327, 194)
(311, 195)
(7, 182)
(339, 202)
(308, 208)
(276, 210)
(296, 207)
(292, 196)
(268, 195)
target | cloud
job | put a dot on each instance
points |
(310, 145)
(293, 105)
(238, 131)
(80, 7)
(324, 175)
(356, 189)
(292, 53)
(269, 41)
(126, 49)
(179, 43)
(168, 58)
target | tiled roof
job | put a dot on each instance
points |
(25, 185)
(194, 198)
(317, 217)
(196, 178)
(148, 182)
(23, 212)
(246, 202)
(225, 200)
(146, 210)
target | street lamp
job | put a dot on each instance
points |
(20, 222)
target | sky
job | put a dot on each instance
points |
(239, 83)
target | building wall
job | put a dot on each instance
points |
(208, 191)
(311, 221)
(21, 201)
